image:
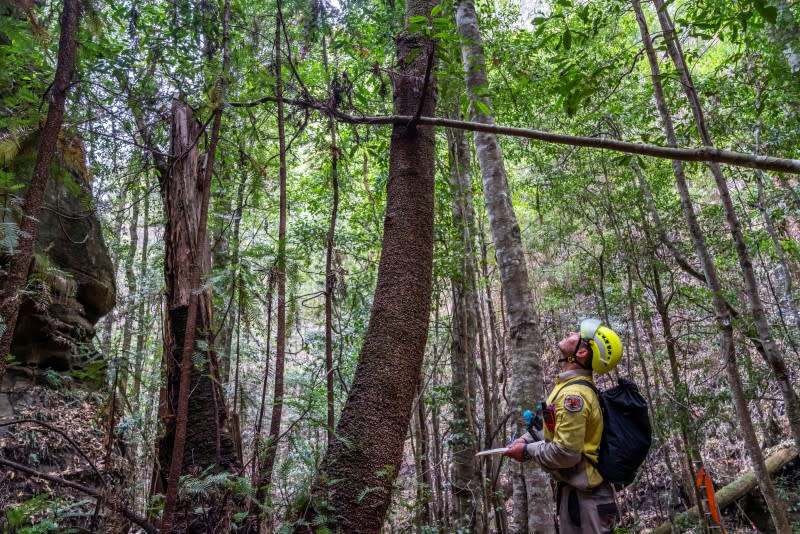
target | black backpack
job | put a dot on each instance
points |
(627, 433)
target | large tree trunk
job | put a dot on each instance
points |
(723, 317)
(364, 459)
(467, 483)
(532, 494)
(210, 442)
(16, 276)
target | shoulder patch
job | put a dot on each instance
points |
(573, 403)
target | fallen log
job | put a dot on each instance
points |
(734, 491)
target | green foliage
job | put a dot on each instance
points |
(26, 518)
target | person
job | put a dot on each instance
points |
(567, 446)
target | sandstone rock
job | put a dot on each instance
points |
(73, 276)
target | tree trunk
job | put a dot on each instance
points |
(16, 276)
(330, 275)
(123, 359)
(268, 462)
(256, 460)
(467, 483)
(365, 457)
(185, 195)
(771, 352)
(721, 311)
(424, 486)
(531, 485)
(139, 356)
(690, 447)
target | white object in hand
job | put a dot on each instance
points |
(501, 450)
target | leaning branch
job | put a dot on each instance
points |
(729, 157)
(119, 507)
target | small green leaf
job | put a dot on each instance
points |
(566, 40)
(482, 107)
(769, 13)
(436, 10)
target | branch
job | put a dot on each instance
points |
(119, 507)
(412, 125)
(710, 154)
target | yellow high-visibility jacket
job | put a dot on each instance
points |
(571, 452)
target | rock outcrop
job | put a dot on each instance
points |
(72, 276)
(51, 420)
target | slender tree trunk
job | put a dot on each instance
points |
(681, 390)
(467, 480)
(140, 309)
(280, 345)
(439, 466)
(259, 422)
(16, 276)
(330, 275)
(124, 357)
(721, 311)
(785, 274)
(365, 462)
(108, 320)
(532, 494)
(771, 352)
(787, 300)
(424, 481)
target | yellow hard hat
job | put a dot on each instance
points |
(605, 344)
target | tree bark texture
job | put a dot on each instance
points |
(16, 275)
(354, 488)
(773, 356)
(527, 388)
(210, 442)
(467, 484)
(721, 311)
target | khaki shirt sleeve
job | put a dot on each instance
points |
(552, 456)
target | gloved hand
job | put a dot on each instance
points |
(517, 450)
(518, 440)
